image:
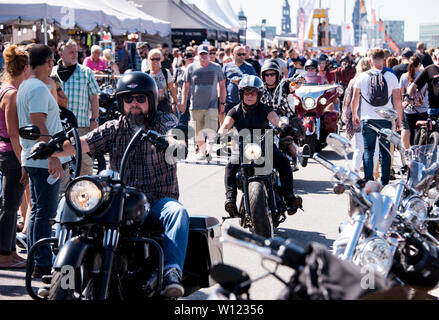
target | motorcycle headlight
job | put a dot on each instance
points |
(340, 90)
(323, 101)
(415, 211)
(85, 195)
(375, 254)
(253, 151)
(296, 102)
(309, 103)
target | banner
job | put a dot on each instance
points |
(306, 11)
(347, 35)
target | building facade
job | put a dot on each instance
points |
(286, 17)
(396, 30)
(428, 34)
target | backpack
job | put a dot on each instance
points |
(378, 89)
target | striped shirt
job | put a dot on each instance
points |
(78, 89)
(147, 169)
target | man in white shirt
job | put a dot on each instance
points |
(385, 93)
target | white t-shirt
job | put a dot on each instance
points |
(362, 83)
(145, 65)
(34, 97)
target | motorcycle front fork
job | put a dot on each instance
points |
(359, 222)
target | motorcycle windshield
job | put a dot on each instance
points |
(423, 165)
(313, 90)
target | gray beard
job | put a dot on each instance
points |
(137, 120)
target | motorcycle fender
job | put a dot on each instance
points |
(310, 125)
(72, 253)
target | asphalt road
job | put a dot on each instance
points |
(202, 193)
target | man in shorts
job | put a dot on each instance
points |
(202, 78)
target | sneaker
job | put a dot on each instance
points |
(21, 240)
(294, 203)
(39, 272)
(231, 208)
(172, 287)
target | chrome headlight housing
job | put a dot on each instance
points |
(375, 254)
(323, 101)
(296, 102)
(415, 211)
(253, 151)
(340, 90)
(86, 194)
(309, 103)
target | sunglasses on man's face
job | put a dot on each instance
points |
(140, 99)
(270, 74)
(212, 52)
(240, 54)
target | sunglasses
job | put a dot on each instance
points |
(155, 59)
(212, 52)
(240, 54)
(140, 99)
(252, 93)
(270, 74)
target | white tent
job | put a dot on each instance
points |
(87, 15)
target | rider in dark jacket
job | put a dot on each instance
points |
(251, 114)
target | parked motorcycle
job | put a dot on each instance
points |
(106, 245)
(428, 128)
(313, 105)
(318, 274)
(381, 234)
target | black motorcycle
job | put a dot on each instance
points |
(262, 207)
(105, 249)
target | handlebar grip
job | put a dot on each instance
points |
(245, 236)
(324, 162)
(293, 255)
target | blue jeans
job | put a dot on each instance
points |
(173, 218)
(44, 201)
(369, 138)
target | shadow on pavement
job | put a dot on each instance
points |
(14, 291)
(304, 238)
(312, 186)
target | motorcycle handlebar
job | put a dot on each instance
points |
(282, 251)
(324, 162)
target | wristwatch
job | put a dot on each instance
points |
(94, 119)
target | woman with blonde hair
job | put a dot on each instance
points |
(15, 178)
(108, 56)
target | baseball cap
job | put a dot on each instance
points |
(203, 49)
(407, 53)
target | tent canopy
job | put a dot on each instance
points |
(118, 15)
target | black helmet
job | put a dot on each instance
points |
(251, 83)
(312, 63)
(345, 58)
(323, 57)
(271, 65)
(134, 83)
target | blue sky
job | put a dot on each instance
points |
(420, 11)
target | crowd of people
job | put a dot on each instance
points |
(199, 84)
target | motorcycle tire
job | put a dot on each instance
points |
(261, 219)
(311, 142)
(434, 138)
(57, 292)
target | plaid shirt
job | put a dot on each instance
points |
(268, 99)
(147, 168)
(78, 89)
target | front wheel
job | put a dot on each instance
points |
(76, 286)
(259, 213)
(311, 142)
(420, 137)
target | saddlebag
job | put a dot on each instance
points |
(204, 250)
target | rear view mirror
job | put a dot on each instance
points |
(30, 132)
(339, 144)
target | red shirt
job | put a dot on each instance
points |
(344, 76)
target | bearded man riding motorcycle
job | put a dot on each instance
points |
(149, 171)
(272, 76)
(252, 114)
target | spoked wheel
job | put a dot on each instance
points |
(99, 163)
(420, 137)
(434, 138)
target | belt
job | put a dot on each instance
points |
(3, 139)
